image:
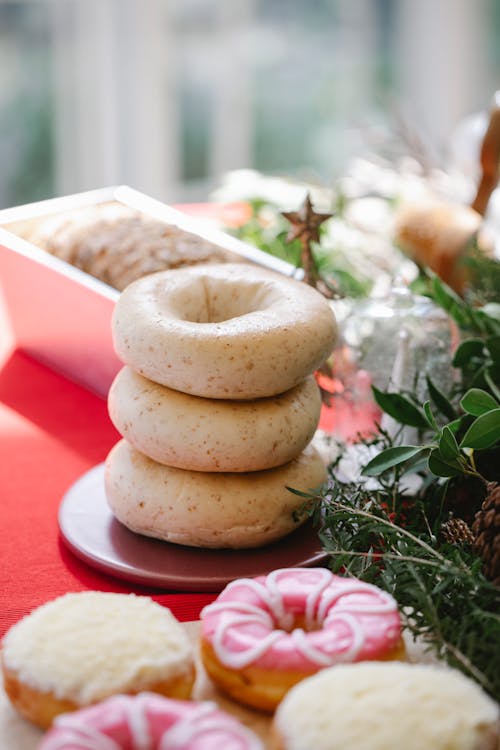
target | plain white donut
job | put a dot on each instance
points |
(232, 331)
(208, 509)
(201, 434)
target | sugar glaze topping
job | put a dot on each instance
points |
(252, 621)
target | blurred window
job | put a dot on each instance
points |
(168, 95)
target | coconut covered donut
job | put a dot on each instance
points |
(387, 706)
(81, 648)
(230, 331)
(149, 722)
(208, 509)
(261, 636)
(188, 432)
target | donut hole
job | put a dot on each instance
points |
(217, 300)
(296, 621)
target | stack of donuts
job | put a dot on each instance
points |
(216, 404)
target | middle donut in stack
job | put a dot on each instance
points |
(216, 404)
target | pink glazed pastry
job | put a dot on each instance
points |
(261, 636)
(149, 722)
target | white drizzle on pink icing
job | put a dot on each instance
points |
(75, 731)
(319, 612)
(80, 734)
(202, 721)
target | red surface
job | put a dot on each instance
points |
(228, 214)
(51, 432)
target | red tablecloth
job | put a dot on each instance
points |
(51, 432)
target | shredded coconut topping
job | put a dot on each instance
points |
(86, 646)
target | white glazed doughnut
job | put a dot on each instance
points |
(387, 706)
(208, 509)
(231, 331)
(202, 434)
(81, 648)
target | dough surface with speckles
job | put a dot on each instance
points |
(203, 509)
(200, 434)
(223, 331)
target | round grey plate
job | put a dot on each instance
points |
(93, 534)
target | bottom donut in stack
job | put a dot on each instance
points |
(217, 405)
(212, 510)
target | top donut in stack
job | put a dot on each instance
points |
(217, 404)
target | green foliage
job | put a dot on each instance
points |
(456, 427)
(391, 457)
(400, 408)
(484, 275)
(478, 402)
(386, 539)
(268, 230)
(482, 320)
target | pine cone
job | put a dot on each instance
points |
(456, 531)
(486, 530)
(465, 497)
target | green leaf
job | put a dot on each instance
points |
(400, 408)
(478, 380)
(485, 323)
(493, 346)
(448, 446)
(417, 463)
(480, 320)
(483, 432)
(477, 402)
(452, 303)
(455, 425)
(430, 416)
(491, 384)
(389, 458)
(440, 400)
(442, 468)
(443, 294)
(468, 349)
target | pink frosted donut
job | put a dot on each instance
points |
(149, 722)
(261, 636)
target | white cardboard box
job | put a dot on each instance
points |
(60, 315)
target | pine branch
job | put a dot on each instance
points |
(446, 603)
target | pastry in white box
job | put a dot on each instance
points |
(118, 244)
